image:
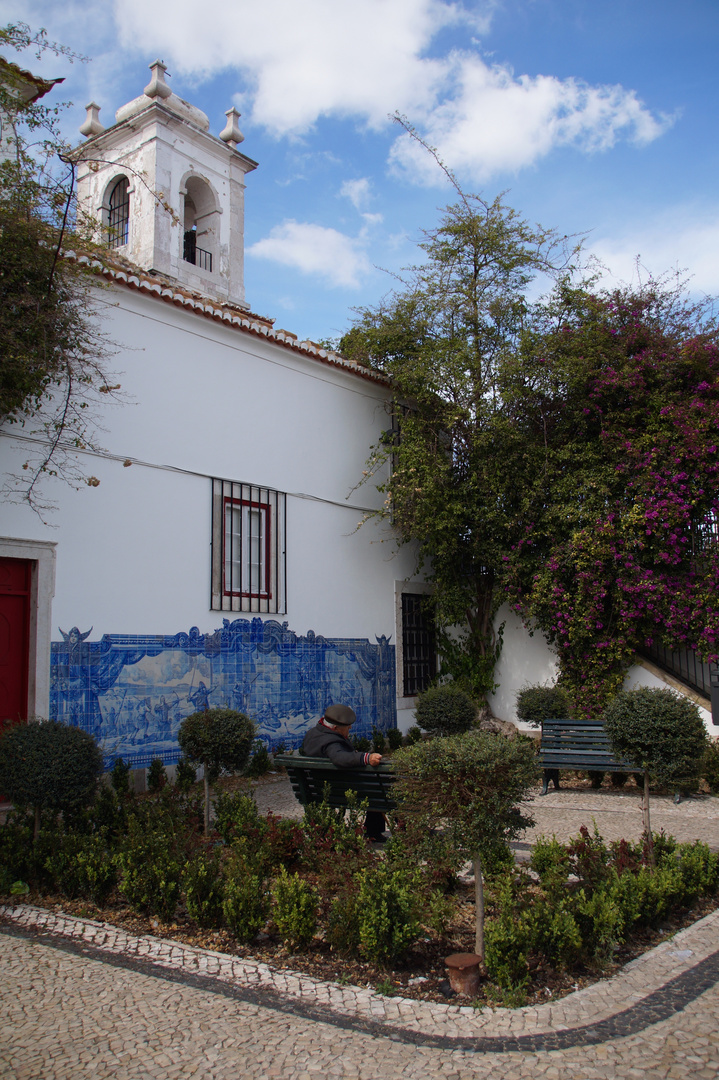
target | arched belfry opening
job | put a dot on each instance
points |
(201, 225)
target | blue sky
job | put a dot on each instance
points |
(595, 117)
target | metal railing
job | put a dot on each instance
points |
(191, 253)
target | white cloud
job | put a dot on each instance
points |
(314, 249)
(359, 58)
(492, 121)
(358, 192)
(681, 239)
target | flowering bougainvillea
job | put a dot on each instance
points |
(621, 549)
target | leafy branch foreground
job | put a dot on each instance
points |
(314, 895)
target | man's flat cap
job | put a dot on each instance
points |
(340, 714)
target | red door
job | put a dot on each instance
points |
(14, 639)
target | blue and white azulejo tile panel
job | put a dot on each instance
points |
(132, 692)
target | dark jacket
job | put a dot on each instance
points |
(321, 742)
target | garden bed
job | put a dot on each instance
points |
(425, 960)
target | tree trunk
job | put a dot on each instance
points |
(207, 802)
(647, 822)
(479, 907)
(37, 824)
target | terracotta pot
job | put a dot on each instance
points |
(463, 972)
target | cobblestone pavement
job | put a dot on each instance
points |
(82, 999)
(86, 1000)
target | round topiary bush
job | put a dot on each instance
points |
(445, 710)
(659, 732)
(218, 739)
(537, 703)
(47, 765)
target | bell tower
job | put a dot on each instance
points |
(161, 190)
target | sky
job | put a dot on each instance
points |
(596, 117)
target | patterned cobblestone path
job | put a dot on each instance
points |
(85, 1000)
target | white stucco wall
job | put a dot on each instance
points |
(529, 659)
(204, 400)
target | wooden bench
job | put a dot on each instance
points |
(580, 745)
(313, 779)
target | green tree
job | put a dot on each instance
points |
(54, 375)
(456, 462)
(218, 739)
(471, 786)
(662, 734)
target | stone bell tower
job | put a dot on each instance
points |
(166, 193)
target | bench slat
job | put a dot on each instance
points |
(311, 776)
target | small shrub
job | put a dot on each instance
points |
(96, 869)
(62, 866)
(282, 841)
(508, 941)
(237, 816)
(387, 913)
(359, 742)
(445, 710)
(120, 778)
(602, 922)
(246, 903)
(259, 762)
(537, 703)
(414, 735)
(394, 738)
(149, 869)
(203, 886)
(334, 836)
(185, 775)
(439, 912)
(295, 911)
(156, 776)
(618, 779)
(108, 812)
(551, 862)
(378, 741)
(698, 869)
(596, 779)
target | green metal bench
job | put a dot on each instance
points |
(579, 745)
(312, 778)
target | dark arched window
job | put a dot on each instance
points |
(118, 218)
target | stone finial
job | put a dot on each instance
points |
(231, 133)
(157, 87)
(92, 125)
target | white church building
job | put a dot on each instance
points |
(215, 558)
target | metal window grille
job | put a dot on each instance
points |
(191, 253)
(419, 657)
(248, 548)
(118, 219)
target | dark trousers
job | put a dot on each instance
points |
(374, 824)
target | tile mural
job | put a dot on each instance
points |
(132, 692)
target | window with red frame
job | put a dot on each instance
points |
(248, 548)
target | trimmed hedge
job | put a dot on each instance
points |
(445, 710)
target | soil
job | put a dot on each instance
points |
(422, 975)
